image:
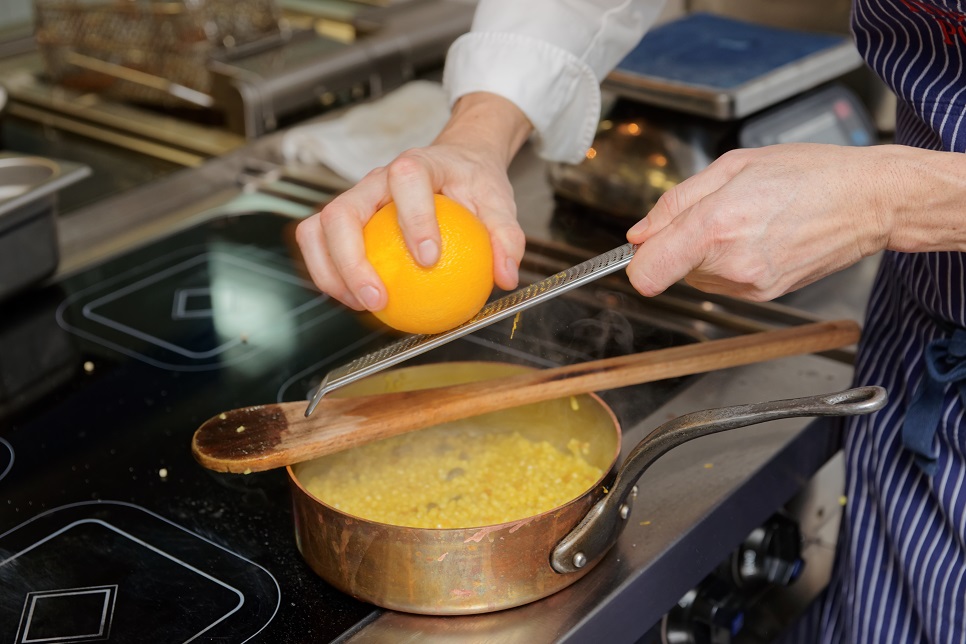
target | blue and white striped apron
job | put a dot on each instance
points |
(900, 573)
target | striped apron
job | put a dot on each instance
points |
(900, 573)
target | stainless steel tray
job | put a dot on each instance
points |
(28, 226)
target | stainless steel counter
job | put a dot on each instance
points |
(696, 504)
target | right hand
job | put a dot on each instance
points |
(467, 162)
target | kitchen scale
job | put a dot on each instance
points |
(699, 86)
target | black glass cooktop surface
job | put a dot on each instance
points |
(109, 530)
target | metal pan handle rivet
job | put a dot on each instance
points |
(625, 511)
(580, 560)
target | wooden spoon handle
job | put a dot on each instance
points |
(649, 366)
(269, 436)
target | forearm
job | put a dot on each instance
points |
(926, 191)
(488, 123)
(549, 68)
(597, 32)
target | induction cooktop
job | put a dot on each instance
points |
(109, 530)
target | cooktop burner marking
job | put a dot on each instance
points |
(43, 607)
(224, 301)
(91, 314)
(9, 466)
(185, 303)
(31, 603)
(143, 544)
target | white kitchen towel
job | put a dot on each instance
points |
(372, 134)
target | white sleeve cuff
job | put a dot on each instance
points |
(560, 94)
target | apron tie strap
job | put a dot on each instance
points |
(945, 363)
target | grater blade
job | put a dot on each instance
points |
(524, 298)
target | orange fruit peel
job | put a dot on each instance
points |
(429, 300)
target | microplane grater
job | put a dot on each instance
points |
(504, 307)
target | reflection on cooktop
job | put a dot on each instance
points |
(195, 309)
(109, 570)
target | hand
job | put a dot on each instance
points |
(467, 162)
(759, 223)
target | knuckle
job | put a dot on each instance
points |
(516, 237)
(668, 202)
(333, 212)
(353, 269)
(749, 276)
(722, 225)
(643, 283)
(680, 199)
(735, 156)
(756, 280)
(373, 174)
(506, 201)
(514, 245)
(305, 230)
(420, 221)
(405, 166)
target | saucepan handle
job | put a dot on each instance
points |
(599, 529)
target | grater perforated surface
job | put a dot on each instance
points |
(502, 308)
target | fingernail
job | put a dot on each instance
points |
(639, 227)
(428, 252)
(370, 297)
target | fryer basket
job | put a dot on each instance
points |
(150, 51)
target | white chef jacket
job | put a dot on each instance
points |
(548, 57)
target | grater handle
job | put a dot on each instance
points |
(502, 308)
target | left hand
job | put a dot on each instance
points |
(467, 162)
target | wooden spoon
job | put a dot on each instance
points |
(263, 437)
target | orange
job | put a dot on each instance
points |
(443, 296)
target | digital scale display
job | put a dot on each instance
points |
(822, 128)
(829, 115)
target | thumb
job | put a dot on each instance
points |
(667, 256)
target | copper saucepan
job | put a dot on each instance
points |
(483, 569)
